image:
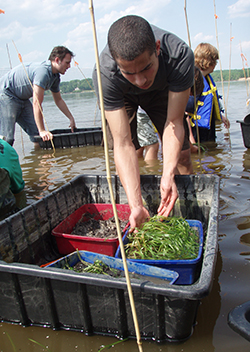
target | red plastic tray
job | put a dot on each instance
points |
(68, 243)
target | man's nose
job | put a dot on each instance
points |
(140, 80)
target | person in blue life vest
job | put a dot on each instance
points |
(143, 65)
(208, 105)
(11, 180)
(196, 91)
(27, 81)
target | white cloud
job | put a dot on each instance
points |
(240, 9)
(245, 45)
(34, 56)
(200, 37)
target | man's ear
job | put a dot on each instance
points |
(57, 60)
(157, 47)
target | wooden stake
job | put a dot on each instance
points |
(243, 67)
(229, 78)
(109, 182)
(195, 108)
(185, 10)
(222, 83)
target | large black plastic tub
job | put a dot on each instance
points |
(245, 130)
(64, 138)
(56, 298)
(239, 320)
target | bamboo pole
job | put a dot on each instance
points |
(21, 132)
(195, 107)
(185, 10)
(76, 64)
(139, 343)
(7, 48)
(230, 54)
(243, 58)
(41, 110)
(217, 40)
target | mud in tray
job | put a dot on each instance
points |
(64, 138)
(33, 295)
(68, 241)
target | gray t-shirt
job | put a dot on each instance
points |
(175, 73)
(16, 82)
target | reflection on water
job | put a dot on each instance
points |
(44, 171)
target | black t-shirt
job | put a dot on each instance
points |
(175, 73)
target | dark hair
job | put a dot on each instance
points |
(61, 52)
(198, 82)
(129, 37)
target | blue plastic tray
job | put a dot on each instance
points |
(188, 269)
(149, 272)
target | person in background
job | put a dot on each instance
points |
(147, 137)
(11, 178)
(209, 109)
(32, 80)
(143, 65)
(195, 91)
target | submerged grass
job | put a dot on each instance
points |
(163, 238)
(98, 267)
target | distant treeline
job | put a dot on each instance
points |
(77, 85)
(234, 75)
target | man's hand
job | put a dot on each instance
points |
(169, 195)
(225, 121)
(137, 217)
(72, 124)
(46, 135)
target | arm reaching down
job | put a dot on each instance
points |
(126, 162)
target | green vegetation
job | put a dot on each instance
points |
(163, 238)
(76, 86)
(234, 75)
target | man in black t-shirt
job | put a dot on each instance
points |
(145, 66)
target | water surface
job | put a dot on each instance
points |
(44, 171)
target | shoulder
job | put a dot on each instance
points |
(41, 68)
(171, 44)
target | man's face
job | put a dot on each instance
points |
(63, 65)
(142, 70)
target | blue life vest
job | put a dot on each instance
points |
(206, 105)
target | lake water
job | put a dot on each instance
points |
(44, 171)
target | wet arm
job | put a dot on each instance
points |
(38, 95)
(127, 164)
(172, 142)
(64, 109)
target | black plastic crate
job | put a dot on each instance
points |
(32, 295)
(64, 138)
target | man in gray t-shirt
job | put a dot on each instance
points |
(26, 81)
(145, 66)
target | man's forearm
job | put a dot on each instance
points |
(172, 142)
(64, 108)
(128, 169)
(38, 117)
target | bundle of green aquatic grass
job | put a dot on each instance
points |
(163, 238)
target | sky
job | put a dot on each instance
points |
(32, 28)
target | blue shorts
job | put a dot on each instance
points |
(12, 111)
